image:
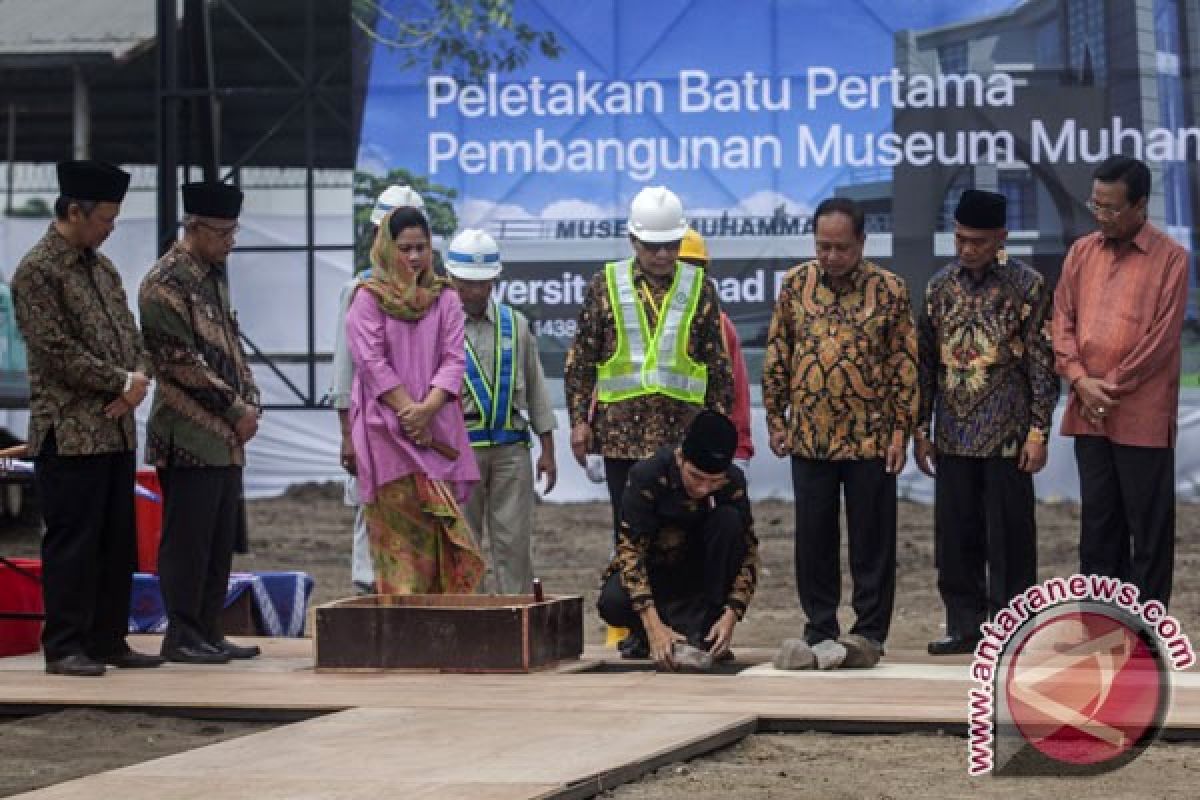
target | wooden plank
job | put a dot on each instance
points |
(423, 753)
(894, 692)
(530, 736)
(114, 784)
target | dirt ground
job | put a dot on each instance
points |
(815, 766)
(309, 529)
(51, 748)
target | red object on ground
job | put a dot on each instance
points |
(19, 592)
(149, 521)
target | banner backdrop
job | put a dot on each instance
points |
(754, 112)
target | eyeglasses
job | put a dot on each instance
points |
(1104, 212)
(224, 233)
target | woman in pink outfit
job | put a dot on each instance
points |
(405, 334)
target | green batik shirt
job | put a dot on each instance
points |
(204, 384)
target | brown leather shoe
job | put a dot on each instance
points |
(76, 665)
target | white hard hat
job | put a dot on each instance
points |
(656, 215)
(395, 197)
(473, 256)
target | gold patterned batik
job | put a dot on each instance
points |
(840, 373)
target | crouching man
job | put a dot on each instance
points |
(687, 558)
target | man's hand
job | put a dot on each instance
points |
(661, 640)
(137, 390)
(925, 456)
(581, 443)
(896, 455)
(349, 463)
(117, 408)
(779, 443)
(1033, 456)
(247, 425)
(1098, 398)
(548, 469)
(720, 635)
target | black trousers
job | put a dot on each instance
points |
(985, 538)
(89, 551)
(871, 536)
(201, 519)
(616, 475)
(689, 596)
(1128, 497)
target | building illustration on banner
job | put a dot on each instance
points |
(1102, 77)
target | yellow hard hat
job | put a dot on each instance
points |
(693, 247)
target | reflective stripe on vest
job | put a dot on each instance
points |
(495, 403)
(647, 363)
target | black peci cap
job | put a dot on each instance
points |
(97, 181)
(212, 199)
(980, 209)
(710, 442)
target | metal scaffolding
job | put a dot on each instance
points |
(191, 108)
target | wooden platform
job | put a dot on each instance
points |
(558, 734)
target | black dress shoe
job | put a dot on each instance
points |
(197, 653)
(76, 665)
(236, 650)
(953, 645)
(131, 659)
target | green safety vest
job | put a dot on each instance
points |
(655, 362)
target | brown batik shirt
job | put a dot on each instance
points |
(840, 371)
(204, 384)
(83, 343)
(637, 427)
(660, 526)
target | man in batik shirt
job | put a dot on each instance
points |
(987, 380)
(840, 390)
(623, 403)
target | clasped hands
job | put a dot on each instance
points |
(139, 385)
(414, 419)
(1097, 399)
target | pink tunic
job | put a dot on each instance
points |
(420, 355)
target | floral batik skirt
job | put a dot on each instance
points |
(420, 541)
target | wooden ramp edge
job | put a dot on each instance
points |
(424, 754)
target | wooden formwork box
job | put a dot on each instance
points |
(448, 633)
